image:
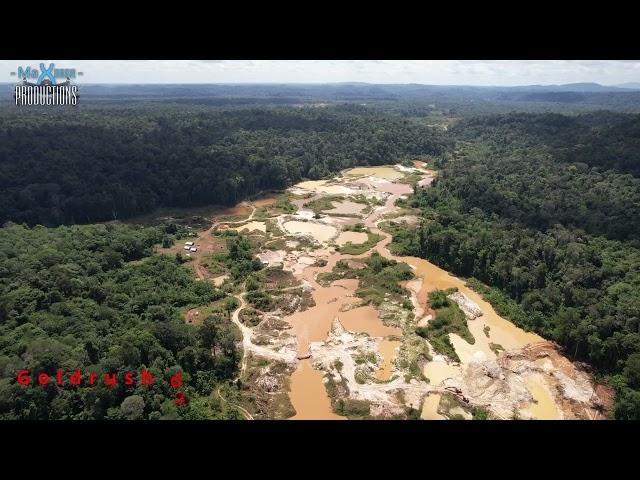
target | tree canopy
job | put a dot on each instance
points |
(552, 230)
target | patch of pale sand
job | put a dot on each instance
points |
(193, 317)
(424, 321)
(311, 184)
(272, 256)
(430, 408)
(353, 237)
(296, 264)
(321, 186)
(501, 332)
(320, 232)
(346, 207)
(460, 411)
(408, 219)
(386, 172)
(218, 281)
(358, 185)
(439, 370)
(304, 214)
(468, 352)
(251, 226)
(342, 221)
(426, 182)
(402, 168)
(545, 364)
(338, 190)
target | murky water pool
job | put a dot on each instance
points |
(309, 396)
(365, 319)
(430, 408)
(544, 408)
(388, 349)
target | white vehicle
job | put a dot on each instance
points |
(194, 249)
(189, 244)
(187, 247)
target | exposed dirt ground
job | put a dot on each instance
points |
(525, 378)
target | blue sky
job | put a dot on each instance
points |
(442, 72)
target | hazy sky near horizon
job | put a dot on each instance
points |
(439, 72)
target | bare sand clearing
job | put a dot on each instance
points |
(353, 237)
(438, 371)
(346, 207)
(251, 226)
(386, 172)
(426, 182)
(321, 186)
(272, 257)
(218, 281)
(319, 231)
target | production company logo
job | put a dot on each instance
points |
(43, 86)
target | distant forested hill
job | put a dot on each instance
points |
(541, 170)
(63, 167)
(604, 139)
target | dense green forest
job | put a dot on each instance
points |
(546, 210)
(91, 298)
(113, 163)
(540, 211)
(602, 139)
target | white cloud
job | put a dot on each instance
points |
(447, 72)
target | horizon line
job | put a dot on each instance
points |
(617, 85)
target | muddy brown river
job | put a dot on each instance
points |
(309, 398)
